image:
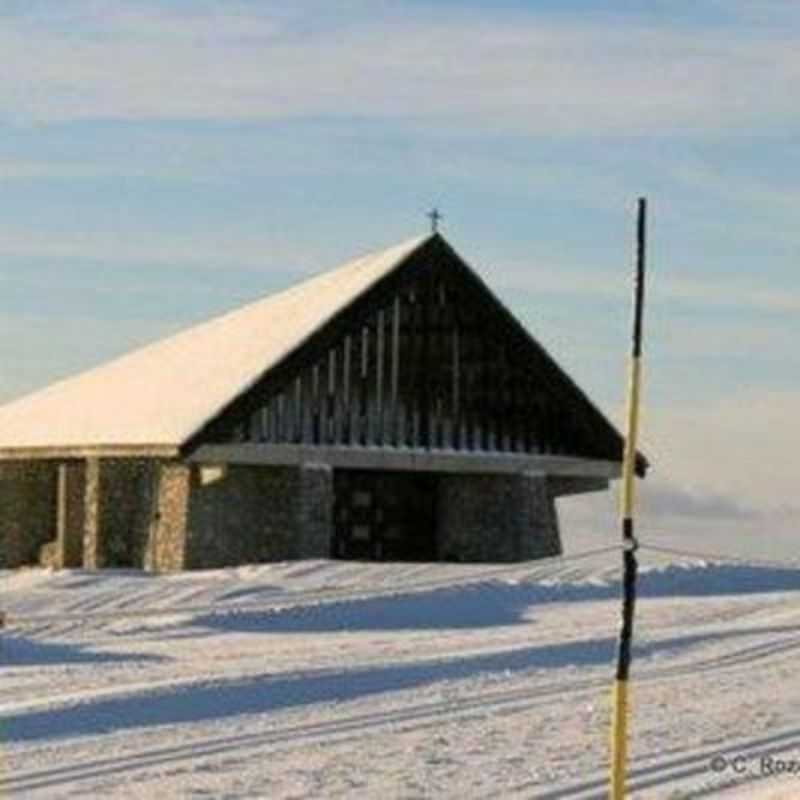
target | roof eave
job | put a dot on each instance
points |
(65, 452)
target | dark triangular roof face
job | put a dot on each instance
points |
(429, 358)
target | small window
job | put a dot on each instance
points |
(362, 499)
(360, 533)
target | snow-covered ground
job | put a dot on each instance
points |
(334, 679)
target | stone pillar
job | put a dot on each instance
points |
(540, 536)
(70, 514)
(314, 511)
(476, 518)
(92, 533)
(167, 547)
(496, 518)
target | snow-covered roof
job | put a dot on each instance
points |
(161, 394)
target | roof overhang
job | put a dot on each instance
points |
(404, 459)
(66, 452)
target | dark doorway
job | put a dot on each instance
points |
(385, 516)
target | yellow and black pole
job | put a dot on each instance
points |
(619, 723)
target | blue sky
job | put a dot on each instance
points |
(160, 162)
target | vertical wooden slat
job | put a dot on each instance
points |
(330, 400)
(355, 396)
(485, 390)
(379, 355)
(530, 411)
(263, 422)
(347, 416)
(434, 367)
(410, 372)
(315, 422)
(267, 432)
(499, 391)
(514, 446)
(282, 430)
(417, 378)
(467, 392)
(288, 414)
(308, 406)
(456, 410)
(297, 433)
(425, 365)
(395, 368)
(254, 428)
(364, 432)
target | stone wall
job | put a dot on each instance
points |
(71, 513)
(538, 520)
(27, 510)
(168, 515)
(496, 518)
(66, 549)
(314, 511)
(126, 510)
(258, 514)
(118, 509)
(245, 516)
(163, 515)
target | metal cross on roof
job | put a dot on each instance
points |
(434, 217)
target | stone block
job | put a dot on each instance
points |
(496, 518)
(165, 548)
(315, 501)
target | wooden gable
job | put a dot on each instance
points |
(426, 358)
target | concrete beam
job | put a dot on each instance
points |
(88, 451)
(402, 459)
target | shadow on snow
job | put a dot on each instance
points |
(266, 693)
(19, 651)
(495, 603)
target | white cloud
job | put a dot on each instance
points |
(666, 501)
(213, 248)
(22, 170)
(723, 479)
(730, 292)
(745, 447)
(518, 72)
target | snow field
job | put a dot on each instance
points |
(336, 679)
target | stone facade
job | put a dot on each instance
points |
(217, 517)
(496, 518)
(71, 513)
(166, 544)
(314, 511)
(117, 511)
(92, 546)
(538, 517)
(170, 515)
(247, 515)
(27, 510)
(126, 510)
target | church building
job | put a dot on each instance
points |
(389, 409)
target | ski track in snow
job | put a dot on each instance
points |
(335, 679)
